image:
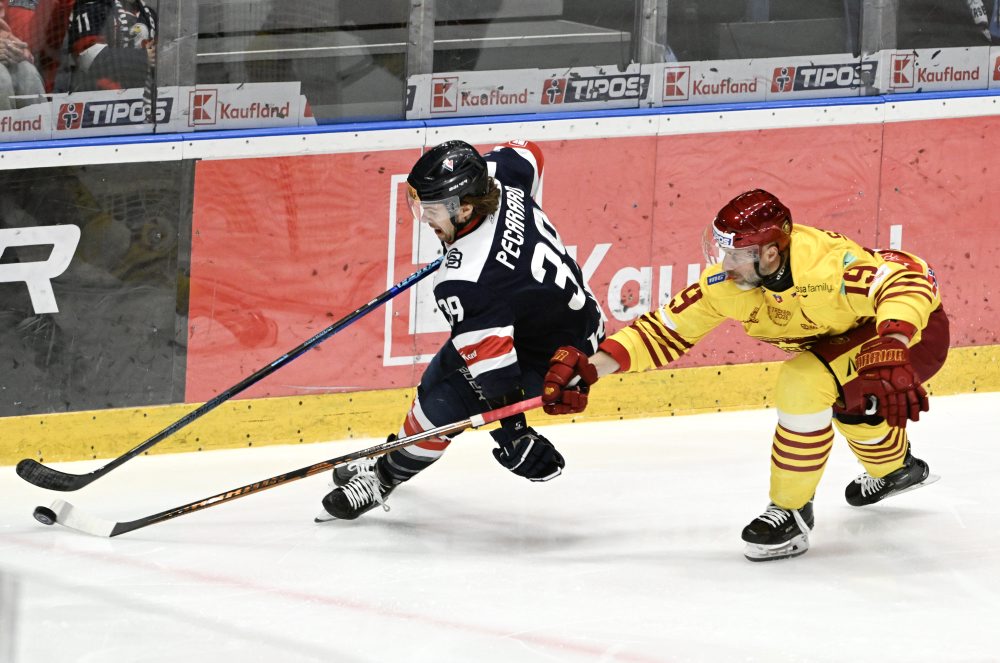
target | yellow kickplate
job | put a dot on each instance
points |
(307, 419)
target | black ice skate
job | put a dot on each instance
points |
(359, 494)
(867, 489)
(344, 473)
(778, 533)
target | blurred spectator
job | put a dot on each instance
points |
(987, 18)
(41, 24)
(18, 75)
(113, 43)
(945, 23)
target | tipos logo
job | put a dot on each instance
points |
(553, 91)
(822, 77)
(595, 88)
(783, 79)
(70, 116)
(115, 113)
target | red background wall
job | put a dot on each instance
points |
(283, 247)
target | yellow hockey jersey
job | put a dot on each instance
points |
(838, 285)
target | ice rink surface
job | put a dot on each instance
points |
(634, 554)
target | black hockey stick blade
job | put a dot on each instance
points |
(43, 476)
(69, 516)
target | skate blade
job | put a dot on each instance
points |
(756, 552)
(931, 478)
(323, 518)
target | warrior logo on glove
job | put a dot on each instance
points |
(568, 381)
(884, 364)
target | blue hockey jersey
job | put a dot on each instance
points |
(509, 289)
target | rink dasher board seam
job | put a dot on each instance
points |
(416, 134)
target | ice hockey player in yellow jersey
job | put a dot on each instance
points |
(865, 327)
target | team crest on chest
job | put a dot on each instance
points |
(453, 260)
(778, 316)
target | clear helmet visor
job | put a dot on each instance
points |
(719, 247)
(432, 210)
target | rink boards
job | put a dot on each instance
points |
(290, 231)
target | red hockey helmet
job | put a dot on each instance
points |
(754, 218)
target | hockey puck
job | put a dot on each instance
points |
(45, 515)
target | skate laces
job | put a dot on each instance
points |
(869, 484)
(361, 465)
(364, 487)
(774, 515)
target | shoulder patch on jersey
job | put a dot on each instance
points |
(880, 274)
(453, 259)
(717, 278)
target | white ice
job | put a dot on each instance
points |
(634, 554)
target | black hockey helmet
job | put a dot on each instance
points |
(451, 169)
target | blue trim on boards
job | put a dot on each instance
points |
(357, 127)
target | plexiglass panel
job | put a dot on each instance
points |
(88, 68)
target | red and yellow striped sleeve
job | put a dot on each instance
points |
(659, 337)
(899, 286)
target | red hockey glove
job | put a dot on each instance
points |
(558, 396)
(884, 364)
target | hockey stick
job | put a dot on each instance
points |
(43, 476)
(66, 514)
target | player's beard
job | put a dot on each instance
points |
(744, 282)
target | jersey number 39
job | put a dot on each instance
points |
(564, 277)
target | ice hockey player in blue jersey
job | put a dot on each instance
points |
(512, 295)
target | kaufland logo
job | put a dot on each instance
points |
(494, 97)
(444, 95)
(10, 124)
(257, 110)
(116, 113)
(947, 74)
(595, 88)
(203, 106)
(676, 83)
(726, 86)
(903, 72)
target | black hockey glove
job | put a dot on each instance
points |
(526, 453)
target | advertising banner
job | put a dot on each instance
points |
(466, 93)
(244, 106)
(469, 93)
(935, 69)
(283, 247)
(113, 113)
(766, 79)
(32, 122)
(176, 110)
